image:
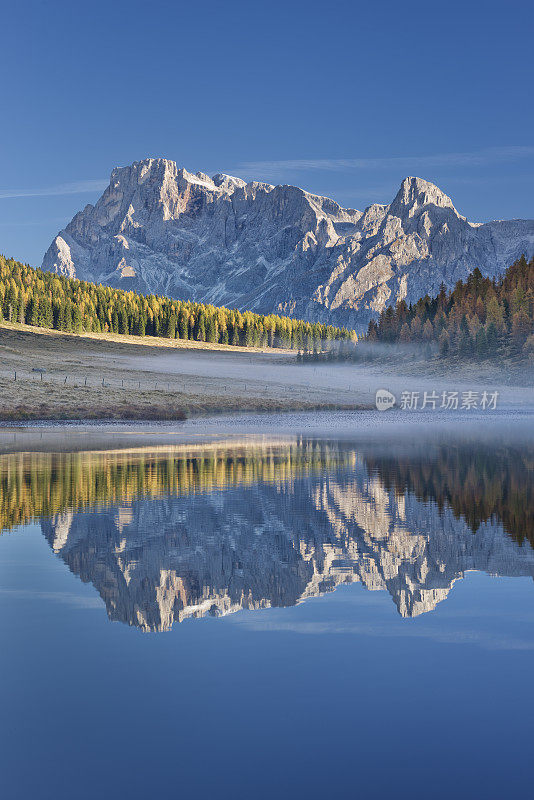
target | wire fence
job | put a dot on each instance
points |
(189, 384)
(71, 380)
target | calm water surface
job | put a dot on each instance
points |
(291, 618)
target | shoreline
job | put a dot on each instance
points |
(385, 429)
(20, 416)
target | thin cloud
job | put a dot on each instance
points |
(77, 187)
(485, 639)
(67, 598)
(488, 155)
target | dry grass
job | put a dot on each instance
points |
(140, 341)
(116, 378)
(26, 400)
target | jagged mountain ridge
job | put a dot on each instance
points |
(277, 249)
(159, 561)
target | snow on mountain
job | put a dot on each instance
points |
(160, 229)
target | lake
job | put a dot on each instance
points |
(286, 615)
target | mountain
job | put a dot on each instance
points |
(160, 229)
(162, 560)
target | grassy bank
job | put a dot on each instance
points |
(31, 400)
(47, 375)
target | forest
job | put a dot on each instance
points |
(480, 318)
(48, 300)
(479, 482)
(34, 486)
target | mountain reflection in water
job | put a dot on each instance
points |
(179, 533)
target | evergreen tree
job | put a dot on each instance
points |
(481, 318)
(170, 331)
(55, 301)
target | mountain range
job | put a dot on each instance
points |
(157, 561)
(277, 249)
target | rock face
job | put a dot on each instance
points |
(159, 561)
(277, 249)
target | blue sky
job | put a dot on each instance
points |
(343, 99)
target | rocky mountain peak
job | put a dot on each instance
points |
(228, 182)
(141, 171)
(416, 193)
(159, 228)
